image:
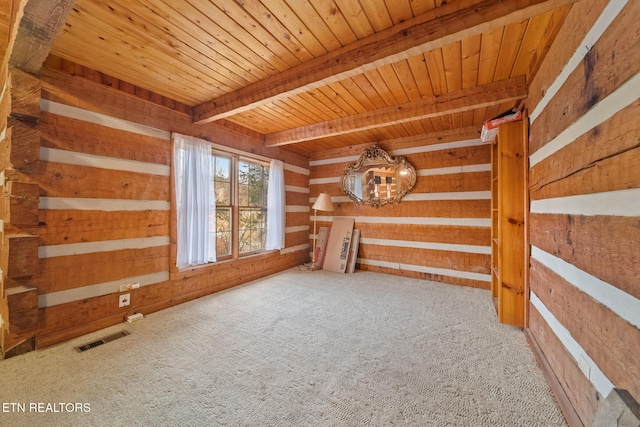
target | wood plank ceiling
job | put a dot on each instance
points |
(321, 74)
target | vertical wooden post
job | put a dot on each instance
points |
(495, 240)
(5, 110)
(525, 212)
(511, 222)
(509, 169)
(19, 198)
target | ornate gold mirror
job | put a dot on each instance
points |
(377, 179)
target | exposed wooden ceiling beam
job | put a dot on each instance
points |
(449, 103)
(35, 31)
(437, 28)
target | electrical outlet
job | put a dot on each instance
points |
(124, 300)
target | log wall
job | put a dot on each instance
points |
(19, 197)
(441, 230)
(585, 205)
(101, 213)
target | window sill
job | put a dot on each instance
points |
(201, 269)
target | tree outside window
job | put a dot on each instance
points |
(223, 196)
(252, 190)
(240, 188)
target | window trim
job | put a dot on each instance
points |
(262, 207)
(236, 157)
(232, 198)
(176, 272)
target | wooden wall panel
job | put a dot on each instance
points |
(66, 133)
(60, 180)
(19, 204)
(426, 208)
(17, 256)
(58, 227)
(296, 238)
(583, 14)
(593, 244)
(294, 198)
(297, 218)
(431, 138)
(606, 141)
(297, 200)
(25, 91)
(423, 275)
(60, 87)
(70, 67)
(5, 110)
(609, 63)
(5, 99)
(469, 181)
(21, 147)
(584, 215)
(75, 271)
(618, 172)
(23, 309)
(474, 155)
(478, 236)
(296, 179)
(104, 214)
(581, 393)
(101, 312)
(440, 231)
(612, 343)
(19, 200)
(450, 157)
(463, 261)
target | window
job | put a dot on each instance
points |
(240, 187)
(222, 202)
(223, 196)
(253, 181)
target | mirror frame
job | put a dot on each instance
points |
(373, 156)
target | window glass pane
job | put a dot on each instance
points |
(245, 230)
(243, 172)
(243, 195)
(223, 222)
(252, 229)
(253, 206)
(265, 185)
(223, 244)
(223, 193)
(255, 174)
(256, 195)
(222, 178)
(245, 219)
(223, 168)
(256, 239)
(223, 231)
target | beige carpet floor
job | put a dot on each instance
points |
(298, 348)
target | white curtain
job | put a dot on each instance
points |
(195, 200)
(275, 206)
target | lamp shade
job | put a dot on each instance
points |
(323, 203)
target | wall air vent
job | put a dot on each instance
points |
(104, 340)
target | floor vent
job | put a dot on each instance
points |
(104, 340)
